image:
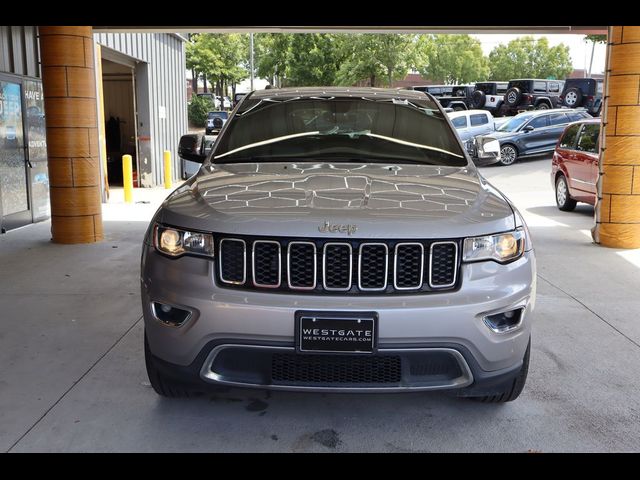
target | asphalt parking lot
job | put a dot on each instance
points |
(73, 376)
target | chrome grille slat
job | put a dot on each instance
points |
(231, 267)
(260, 268)
(399, 277)
(298, 273)
(384, 275)
(335, 272)
(447, 264)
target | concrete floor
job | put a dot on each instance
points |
(72, 374)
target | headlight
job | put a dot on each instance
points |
(176, 242)
(503, 247)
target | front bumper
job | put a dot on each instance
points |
(408, 324)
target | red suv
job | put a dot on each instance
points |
(574, 167)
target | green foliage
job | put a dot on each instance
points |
(221, 57)
(526, 57)
(305, 59)
(271, 55)
(380, 58)
(198, 109)
(451, 59)
(312, 59)
(595, 38)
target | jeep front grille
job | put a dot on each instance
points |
(337, 267)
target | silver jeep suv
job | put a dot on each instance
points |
(337, 239)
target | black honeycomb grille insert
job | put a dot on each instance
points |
(337, 369)
(232, 261)
(266, 263)
(302, 265)
(409, 265)
(331, 267)
(443, 264)
(337, 266)
(373, 266)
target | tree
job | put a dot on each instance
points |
(526, 57)
(312, 59)
(451, 59)
(221, 58)
(198, 109)
(594, 39)
(271, 56)
(379, 58)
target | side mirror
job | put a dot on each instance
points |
(528, 128)
(488, 149)
(191, 148)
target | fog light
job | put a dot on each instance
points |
(169, 314)
(504, 321)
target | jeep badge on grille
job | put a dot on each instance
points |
(329, 228)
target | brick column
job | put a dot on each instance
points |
(68, 80)
(618, 207)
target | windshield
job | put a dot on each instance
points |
(339, 129)
(222, 115)
(514, 124)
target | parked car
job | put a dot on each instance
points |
(533, 133)
(337, 239)
(215, 121)
(469, 123)
(583, 93)
(489, 96)
(457, 97)
(226, 103)
(529, 94)
(574, 167)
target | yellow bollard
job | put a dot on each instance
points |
(167, 169)
(127, 178)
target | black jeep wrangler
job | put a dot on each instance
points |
(583, 92)
(530, 94)
(456, 97)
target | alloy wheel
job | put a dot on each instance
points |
(508, 155)
(561, 191)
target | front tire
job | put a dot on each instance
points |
(163, 385)
(513, 389)
(563, 200)
(508, 154)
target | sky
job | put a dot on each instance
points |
(580, 50)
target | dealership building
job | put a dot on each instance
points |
(72, 103)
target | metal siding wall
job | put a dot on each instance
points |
(19, 50)
(5, 56)
(17, 44)
(165, 55)
(31, 51)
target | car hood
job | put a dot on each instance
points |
(501, 135)
(381, 201)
